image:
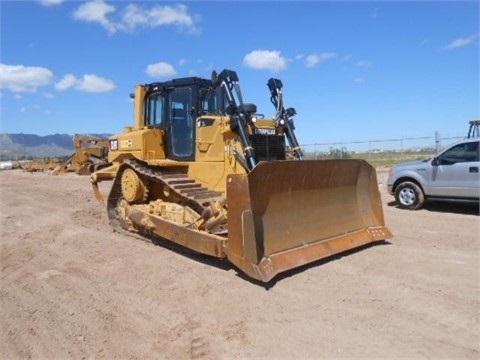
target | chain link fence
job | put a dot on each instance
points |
(381, 152)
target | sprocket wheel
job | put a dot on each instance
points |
(134, 188)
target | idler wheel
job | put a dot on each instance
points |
(134, 188)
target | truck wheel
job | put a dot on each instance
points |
(409, 196)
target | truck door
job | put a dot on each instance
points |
(456, 172)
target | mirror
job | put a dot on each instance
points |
(215, 78)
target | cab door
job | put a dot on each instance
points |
(181, 134)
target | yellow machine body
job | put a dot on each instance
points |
(265, 216)
(89, 151)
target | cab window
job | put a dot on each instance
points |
(181, 122)
(154, 112)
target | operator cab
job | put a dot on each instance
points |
(174, 106)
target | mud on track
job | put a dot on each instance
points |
(71, 288)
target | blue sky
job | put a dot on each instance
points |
(352, 70)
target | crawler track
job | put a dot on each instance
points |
(189, 192)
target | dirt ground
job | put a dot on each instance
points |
(73, 289)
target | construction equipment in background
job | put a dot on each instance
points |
(46, 165)
(474, 129)
(201, 169)
(90, 151)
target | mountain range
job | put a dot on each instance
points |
(28, 146)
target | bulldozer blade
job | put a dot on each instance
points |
(97, 193)
(84, 169)
(285, 214)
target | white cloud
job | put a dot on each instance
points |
(88, 83)
(160, 69)
(365, 64)
(48, 95)
(19, 78)
(159, 16)
(461, 42)
(95, 84)
(182, 62)
(134, 16)
(315, 59)
(98, 11)
(35, 108)
(265, 59)
(312, 60)
(50, 2)
(67, 82)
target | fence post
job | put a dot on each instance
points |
(437, 142)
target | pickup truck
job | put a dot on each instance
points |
(451, 175)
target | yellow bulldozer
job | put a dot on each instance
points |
(199, 167)
(90, 151)
(46, 165)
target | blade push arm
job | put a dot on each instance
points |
(284, 118)
(240, 113)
